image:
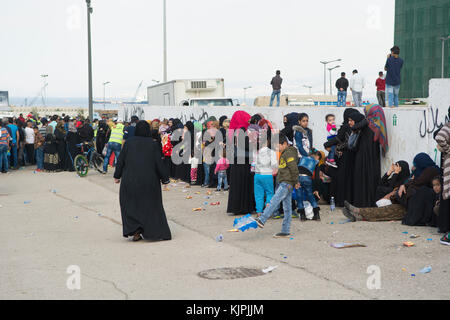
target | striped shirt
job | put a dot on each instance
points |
(4, 137)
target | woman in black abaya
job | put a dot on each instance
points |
(367, 167)
(140, 171)
(341, 186)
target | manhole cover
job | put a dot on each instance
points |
(230, 273)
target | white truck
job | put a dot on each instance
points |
(203, 92)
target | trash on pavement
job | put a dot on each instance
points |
(244, 223)
(342, 245)
(189, 197)
(233, 230)
(409, 244)
(344, 221)
(26, 202)
(219, 238)
(426, 270)
(414, 236)
(215, 203)
(197, 209)
(269, 269)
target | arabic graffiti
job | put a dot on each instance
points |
(130, 111)
(435, 125)
(202, 117)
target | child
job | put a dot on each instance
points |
(437, 188)
(287, 179)
(306, 168)
(266, 165)
(303, 136)
(331, 129)
(221, 170)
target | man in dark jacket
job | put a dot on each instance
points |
(342, 85)
(287, 179)
(276, 86)
(128, 132)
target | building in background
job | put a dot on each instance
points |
(4, 101)
(419, 25)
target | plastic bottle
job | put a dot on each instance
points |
(219, 238)
(332, 204)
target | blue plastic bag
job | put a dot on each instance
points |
(244, 223)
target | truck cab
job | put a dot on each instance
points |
(209, 102)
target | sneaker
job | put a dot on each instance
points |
(278, 216)
(445, 240)
(281, 235)
(104, 172)
(38, 170)
(302, 214)
(331, 163)
(226, 189)
(259, 223)
(218, 190)
(294, 214)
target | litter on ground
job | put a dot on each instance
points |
(342, 245)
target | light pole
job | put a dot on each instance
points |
(44, 76)
(325, 73)
(156, 81)
(165, 41)
(309, 87)
(104, 96)
(330, 69)
(443, 39)
(245, 93)
(89, 12)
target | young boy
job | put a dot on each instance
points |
(287, 179)
(221, 170)
(306, 168)
(331, 129)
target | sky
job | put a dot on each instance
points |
(242, 41)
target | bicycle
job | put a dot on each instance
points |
(81, 162)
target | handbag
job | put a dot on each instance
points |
(105, 150)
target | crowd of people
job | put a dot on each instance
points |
(273, 173)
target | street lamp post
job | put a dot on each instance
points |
(89, 12)
(331, 69)
(443, 39)
(104, 96)
(156, 81)
(44, 97)
(165, 41)
(245, 93)
(325, 73)
(309, 87)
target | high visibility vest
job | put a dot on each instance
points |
(117, 134)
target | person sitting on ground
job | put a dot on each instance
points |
(397, 175)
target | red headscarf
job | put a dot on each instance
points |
(240, 119)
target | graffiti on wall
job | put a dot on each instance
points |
(130, 111)
(425, 127)
(203, 115)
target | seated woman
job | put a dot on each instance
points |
(413, 203)
(397, 175)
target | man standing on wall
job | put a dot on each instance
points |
(381, 87)
(357, 86)
(393, 67)
(342, 85)
(276, 86)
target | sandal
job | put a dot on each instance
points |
(137, 237)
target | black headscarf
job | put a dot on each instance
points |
(142, 129)
(255, 119)
(221, 120)
(356, 116)
(405, 173)
(347, 113)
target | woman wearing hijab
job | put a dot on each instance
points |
(413, 202)
(184, 169)
(367, 168)
(341, 186)
(101, 136)
(72, 139)
(176, 125)
(397, 175)
(140, 171)
(60, 140)
(241, 199)
(51, 155)
(290, 120)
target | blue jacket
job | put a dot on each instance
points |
(299, 134)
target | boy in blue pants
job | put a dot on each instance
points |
(287, 179)
(306, 168)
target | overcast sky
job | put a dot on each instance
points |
(242, 41)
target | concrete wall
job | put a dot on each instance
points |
(410, 129)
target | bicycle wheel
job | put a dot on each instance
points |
(81, 165)
(97, 161)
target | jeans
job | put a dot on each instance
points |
(29, 148)
(342, 98)
(14, 158)
(283, 194)
(392, 93)
(40, 158)
(305, 192)
(357, 98)
(277, 94)
(263, 186)
(222, 176)
(112, 147)
(332, 152)
(381, 96)
(3, 157)
(206, 170)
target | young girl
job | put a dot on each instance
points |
(221, 171)
(303, 136)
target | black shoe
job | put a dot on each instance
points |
(282, 235)
(348, 214)
(302, 214)
(316, 214)
(259, 223)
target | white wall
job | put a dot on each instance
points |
(413, 132)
